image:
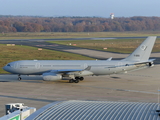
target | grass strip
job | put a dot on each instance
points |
(114, 45)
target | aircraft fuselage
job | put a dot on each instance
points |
(98, 67)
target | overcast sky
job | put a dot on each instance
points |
(100, 8)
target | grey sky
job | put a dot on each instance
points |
(102, 8)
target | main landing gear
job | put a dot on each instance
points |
(76, 80)
(19, 77)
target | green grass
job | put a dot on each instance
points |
(115, 45)
(50, 35)
(14, 53)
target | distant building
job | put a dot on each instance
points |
(112, 16)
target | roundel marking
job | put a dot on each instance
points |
(143, 47)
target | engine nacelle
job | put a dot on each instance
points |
(51, 76)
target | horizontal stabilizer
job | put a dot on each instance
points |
(149, 61)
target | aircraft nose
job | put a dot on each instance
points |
(5, 68)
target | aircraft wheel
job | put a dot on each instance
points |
(71, 81)
(81, 78)
(77, 78)
(19, 78)
(76, 81)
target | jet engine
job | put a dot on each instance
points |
(51, 76)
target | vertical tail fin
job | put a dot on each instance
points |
(142, 53)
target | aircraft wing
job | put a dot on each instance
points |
(65, 71)
(72, 73)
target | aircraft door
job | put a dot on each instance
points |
(37, 65)
(16, 65)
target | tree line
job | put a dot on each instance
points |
(77, 24)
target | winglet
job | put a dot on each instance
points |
(88, 68)
(109, 59)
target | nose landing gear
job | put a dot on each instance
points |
(19, 77)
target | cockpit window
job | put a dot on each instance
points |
(9, 65)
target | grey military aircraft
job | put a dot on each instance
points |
(75, 70)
